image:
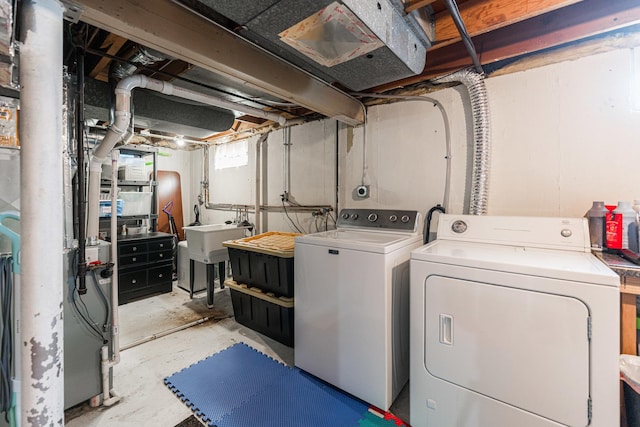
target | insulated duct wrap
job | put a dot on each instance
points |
(474, 82)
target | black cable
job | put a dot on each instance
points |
(287, 214)
(92, 328)
(103, 298)
(333, 219)
(6, 338)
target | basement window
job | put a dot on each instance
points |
(231, 155)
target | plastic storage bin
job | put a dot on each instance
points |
(105, 208)
(136, 202)
(264, 261)
(264, 313)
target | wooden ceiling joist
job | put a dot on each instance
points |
(113, 43)
(482, 16)
(412, 5)
(581, 20)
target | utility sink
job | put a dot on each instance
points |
(204, 242)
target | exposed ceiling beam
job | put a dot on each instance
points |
(572, 23)
(482, 16)
(170, 28)
(113, 44)
(412, 5)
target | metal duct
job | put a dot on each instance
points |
(476, 87)
(307, 33)
(141, 55)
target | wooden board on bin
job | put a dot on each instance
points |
(275, 243)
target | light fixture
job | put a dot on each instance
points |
(179, 139)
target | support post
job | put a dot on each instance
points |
(42, 398)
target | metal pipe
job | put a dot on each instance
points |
(452, 7)
(42, 399)
(477, 89)
(169, 332)
(82, 202)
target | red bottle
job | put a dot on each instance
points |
(613, 229)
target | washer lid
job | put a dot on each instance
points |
(550, 263)
(369, 241)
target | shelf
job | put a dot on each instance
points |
(130, 217)
(105, 182)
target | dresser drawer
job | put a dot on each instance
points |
(129, 260)
(158, 275)
(132, 280)
(160, 256)
(160, 245)
(132, 248)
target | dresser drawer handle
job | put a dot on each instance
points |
(134, 281)
(135, 248)
(134, 259)
(160, 275)
(161, 255)
(162, 245)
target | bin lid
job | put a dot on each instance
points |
(276, 243)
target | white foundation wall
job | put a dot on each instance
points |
(563, 135)
(312, 177)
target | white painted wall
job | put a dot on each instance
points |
(563, 135)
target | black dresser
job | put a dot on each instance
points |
(145, 264)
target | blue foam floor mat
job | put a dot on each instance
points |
(241, 387)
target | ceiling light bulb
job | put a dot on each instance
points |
(179, 140)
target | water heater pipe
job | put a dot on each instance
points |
(42, 220)
(474, 82)
(118, 129)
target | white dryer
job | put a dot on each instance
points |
(513, 323)
(352, 302)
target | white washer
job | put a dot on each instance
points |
(513, 323)
(352, 291)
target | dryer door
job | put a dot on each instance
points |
(524, 348)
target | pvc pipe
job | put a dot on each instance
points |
(108, 397)
(118, 130)
(42, 400)
(257, 217)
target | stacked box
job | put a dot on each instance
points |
(264, 313)
(264, 261)
(262, 288)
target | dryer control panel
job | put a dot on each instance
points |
(384, 219)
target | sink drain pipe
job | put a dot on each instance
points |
(475, 84)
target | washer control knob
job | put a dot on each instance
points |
(405, 218)
(459, 226)
(393, 218)
(354, 216)
(565, 232)
(345, 215)
(373, 217)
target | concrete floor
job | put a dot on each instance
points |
(146, 401)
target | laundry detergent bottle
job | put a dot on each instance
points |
(597, 218)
